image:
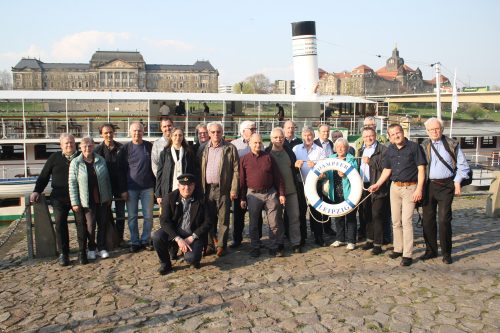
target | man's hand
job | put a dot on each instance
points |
(374, 188)
(34, 197)
(158, 200)
(458, 189)
(298, 164)
(243, 204)
(189, 240)
(282, 199)
(124, 196)
(183, 245)
(76, 209)
(311, 164)
(233, 196)
(365, 159)
(417, 195)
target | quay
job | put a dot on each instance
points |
(320, 290)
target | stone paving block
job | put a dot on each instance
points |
(400, 327)
(448, 329)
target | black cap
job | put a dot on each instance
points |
(186, 178)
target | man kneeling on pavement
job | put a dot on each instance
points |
(184, 225)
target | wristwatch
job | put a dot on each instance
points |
(195, 236)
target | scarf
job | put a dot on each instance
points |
(177, 166)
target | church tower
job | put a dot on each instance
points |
(394, 62)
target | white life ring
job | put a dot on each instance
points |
(350, 202)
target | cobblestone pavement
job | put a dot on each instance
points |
(321, 290)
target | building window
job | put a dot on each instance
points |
(468, 142)
(489, 142)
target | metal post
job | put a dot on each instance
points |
(29, 226)
(67, 119)
(186, 129)
(88, 126)
(4, 136)
(149, 118)
(438, 89)
(47, 128)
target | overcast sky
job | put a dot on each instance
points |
(242, 38)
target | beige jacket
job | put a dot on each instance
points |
(229, 168)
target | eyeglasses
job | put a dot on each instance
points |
(213, 132)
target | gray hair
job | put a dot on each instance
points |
(323, 125)
(87, 140)
(215, 123)
(246, 124)
(306, 129)
(141, 126)
(202, 125)
(432, 120)
(66, 135)
(341, 141)
(278, 129)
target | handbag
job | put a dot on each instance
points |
(464, 182)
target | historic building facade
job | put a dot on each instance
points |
(115, 71)
(394, 78)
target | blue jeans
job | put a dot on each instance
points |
(146, 197)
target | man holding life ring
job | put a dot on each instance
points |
(307, 154)
(405, 165)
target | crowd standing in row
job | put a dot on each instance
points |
(196, 186)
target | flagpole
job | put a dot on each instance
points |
(454, 101)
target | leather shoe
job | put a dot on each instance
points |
(367, 246)
(196, 265)
(320, 241)
(447, 259)
(406, 261)
(64, 260)
(209, 250)
(297, 249)
(82, 258)
(395, 255)
(135, 248)
(165, 269)
(254, 253)
(376, 250)
(235, 245)
(427, 256)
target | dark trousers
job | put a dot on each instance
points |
(387, 225)
(302, 212)
(239, 222)
(373, 213)
(120, 217)
(346, 227)
(162, 244)
(318, 222)
(219, 207)
(438, 195)
(61, 210)
(94, 216)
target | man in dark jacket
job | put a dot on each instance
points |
(372, 212)
(57, 167)
(109, 149)
(137, 182)
(184, 225)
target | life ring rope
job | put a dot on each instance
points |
(349, 204)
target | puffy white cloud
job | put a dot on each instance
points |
(79, 46)
(10, 59)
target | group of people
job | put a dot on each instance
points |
(196, 186)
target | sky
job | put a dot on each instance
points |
(243, 38)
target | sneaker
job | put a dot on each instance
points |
(350, 247)
(337, 244)
(103, 254)
(91, 255)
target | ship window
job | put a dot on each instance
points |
(468, 142)
(43, 151)
(489, 142)
(11, 152)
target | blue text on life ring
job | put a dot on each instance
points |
(344, 207)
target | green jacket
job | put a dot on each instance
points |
(78, 181)
(346, 184)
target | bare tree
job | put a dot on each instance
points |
(5, 80)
